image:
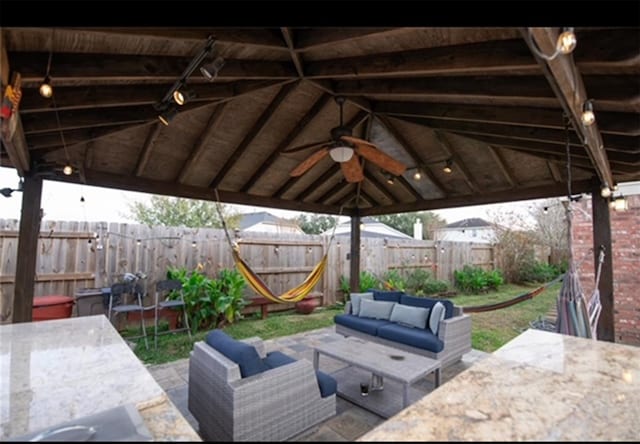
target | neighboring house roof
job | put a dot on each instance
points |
(265, 219)
(474, 222)
(370, 228)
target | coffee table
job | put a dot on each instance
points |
(372, 363)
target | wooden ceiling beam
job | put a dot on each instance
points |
(503, 167)
(626, 124)
(296, 58)
(510, 195)
(379, 186)
(313, 39)
(332, 192)
(70, 67)
(321, 180)
(613, 142)
(286, 141)
(105, 96)
(413, 153)
(258, 126)
(145, 152)
(52, 141)
(201, 143)
(460, 165)
(554, 171)
(566, 81)
(534, 146)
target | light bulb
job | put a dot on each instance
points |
(46, 90)
(587, 117)
(178, 97)
(566, 41)
(67, 170)
(417, 175)
(605, 191)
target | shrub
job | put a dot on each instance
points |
(420, 282)
(394, 280)
(367, 280)
(474, 279)
(210, 302)
(539, 272)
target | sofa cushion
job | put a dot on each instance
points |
(386, 295)
(243, 354)
(436, 315)
(365, 325)
(375, 309)
(328, 385)
(410, 316)
(427, 303)
(416, 337)
(355, 299)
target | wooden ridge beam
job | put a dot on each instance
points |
(287, 34)
(145, 152)
(502, 166)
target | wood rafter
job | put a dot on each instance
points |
(554, 171)
(287, 140)
(379, 186)
(566, 81)
(309, 39)
(252, 133)
(145, 152)
(413, 154)
(457, 160)
(502, 165)
(287, 34)
(321, 180)
(200, 146)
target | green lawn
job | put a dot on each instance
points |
(490, 330)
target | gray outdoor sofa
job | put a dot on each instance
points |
(237, 392)
(380, 324)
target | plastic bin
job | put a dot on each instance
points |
(51, 307)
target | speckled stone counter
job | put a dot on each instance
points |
(60, 370)
(540, 386)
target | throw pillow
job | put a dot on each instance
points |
(437, 315)
(375, 309)
(355, 301)
(410, 316)
(243, 354)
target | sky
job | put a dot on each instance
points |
(62, 201)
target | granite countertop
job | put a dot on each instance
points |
(59, 370)
(541, 386)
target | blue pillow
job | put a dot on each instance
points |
(376, 309)
(410, 316)
(355, 301)
(243, 354)
(387, 295)
(436, 315)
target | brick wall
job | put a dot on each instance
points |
(625, 238)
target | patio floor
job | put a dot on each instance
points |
(350, 421)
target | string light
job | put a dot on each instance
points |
(588, 117)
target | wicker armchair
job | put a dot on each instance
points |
(273, 405)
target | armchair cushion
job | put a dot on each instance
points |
(245, 355)
(276, 359)
(428, 303)
(327, 384)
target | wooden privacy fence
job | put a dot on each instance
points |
(76, 255)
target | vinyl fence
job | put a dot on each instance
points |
(77, 255)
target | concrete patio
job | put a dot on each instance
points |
(350, 421)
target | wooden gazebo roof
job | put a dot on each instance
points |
(478, 96)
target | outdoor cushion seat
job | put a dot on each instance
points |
(327, 384)
(279, 398)
(415, 301)
(416, 337)
(365, 325)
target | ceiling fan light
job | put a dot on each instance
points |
(341, 153)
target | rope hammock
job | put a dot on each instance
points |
(508, 303)
(258, 285)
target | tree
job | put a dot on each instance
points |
(177, 211)
(315, 224)
(551, 229)
(404, 222)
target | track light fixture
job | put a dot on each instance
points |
(389, 178)
(587, 117)
(210, 70)
(447, 166)
(178, 94)
(6, 192)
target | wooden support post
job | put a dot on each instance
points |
(27, 249)
(602, 238)
(354, 266)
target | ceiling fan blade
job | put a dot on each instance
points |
(356, 141)
(384, 161)
(352, 170)
(309, 162)
(295, 149)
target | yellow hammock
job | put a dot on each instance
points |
(293, 295)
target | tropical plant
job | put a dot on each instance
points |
(394, 280)
(367, 281)
(474, 279)
(210, 302)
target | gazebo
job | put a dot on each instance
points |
(503, 109)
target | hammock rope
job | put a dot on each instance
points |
(508, 303)
(295, 294)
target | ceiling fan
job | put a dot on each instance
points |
(346, 150)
